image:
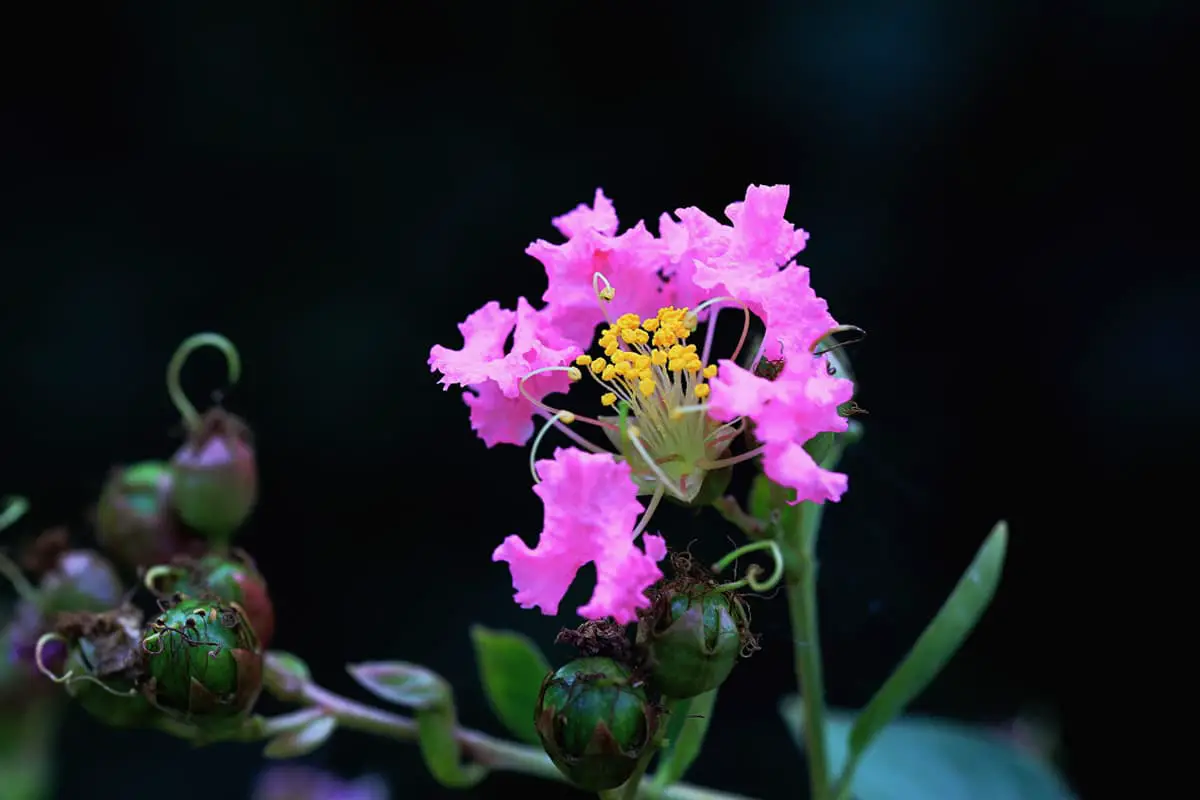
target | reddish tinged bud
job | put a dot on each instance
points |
(216, 476)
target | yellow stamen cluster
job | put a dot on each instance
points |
(646, 358)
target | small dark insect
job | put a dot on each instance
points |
(768, 368)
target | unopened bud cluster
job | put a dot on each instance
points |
(600, 715)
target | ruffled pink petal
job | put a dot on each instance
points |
(761, 232)
(631, 262)
(591, 510)
(737, 392)
(600, 217)
(499, 419)
(799, 404)
(484, 333)
(789, 464)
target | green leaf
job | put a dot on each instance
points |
(511, 668)
(437, 730)
(923, 757)
(402, 683)
(685, 736)
(940, 640)
(302, 740)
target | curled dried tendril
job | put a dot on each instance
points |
(191, 418)
(70, 677)
(751, 579)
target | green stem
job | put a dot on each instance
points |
(802, 605)
(489, 751)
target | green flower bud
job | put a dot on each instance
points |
(134, 520)
(594, 723)
(81, 580)
(690, 640)
(203, 660)
(216, 476)
(234, 580)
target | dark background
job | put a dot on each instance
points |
(334, 188)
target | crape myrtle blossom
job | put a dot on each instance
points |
(676, 411)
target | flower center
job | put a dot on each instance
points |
(650, 367)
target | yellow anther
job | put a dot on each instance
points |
(609, 373)
(710, 371)
(566, 417)
(611, 350)
(702, 391)
(675, 364)
(647, 387)
(608, 399)
(583, 360)
(608, 293)
(574, 374)
(629, 335)
(693, 364)
(598, 366)
(645, 375)
(650, 323)
(658, 358)
(641, 361)
(628, 321)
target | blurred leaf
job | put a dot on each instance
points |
(301, 741)
(916, 758)
(284, 674)
(685, 736)
(437, 729)
(27, 737)
(401, 683)
(937, 644)
(291, 664)
(511, 668)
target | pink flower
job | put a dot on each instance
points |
(681, 413)
(591, 510)
(500, 411)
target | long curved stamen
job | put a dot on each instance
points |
(836, 344)
(604, 295)
(566, 417)
(712, 325)
(635, 436)
(574, 374)
(721, 463)
(561, 426)
(655, 499)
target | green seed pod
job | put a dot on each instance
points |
(216, 476)
(81, 580)
(203, 661)
(134, 520)
(234, 580)
(594, 722)
(690, 641)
